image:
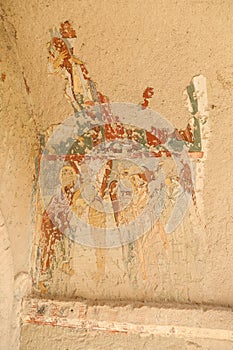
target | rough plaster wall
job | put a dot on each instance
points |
(6, 283)
(66, 339)
(17, 150)
(126, 46)
(17, 138)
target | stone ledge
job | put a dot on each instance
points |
(184, 322)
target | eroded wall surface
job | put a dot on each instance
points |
(96, 340)
(127, 46)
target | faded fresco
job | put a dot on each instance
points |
(110, 179)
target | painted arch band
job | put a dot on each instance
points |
(94, 173)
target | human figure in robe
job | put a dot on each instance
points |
(54, 226)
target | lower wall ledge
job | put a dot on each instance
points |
(197, 322)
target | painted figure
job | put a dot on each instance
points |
(120, 189)
(55, 222)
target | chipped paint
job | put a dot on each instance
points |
(3, 77)
(98, 134)
(205, 324)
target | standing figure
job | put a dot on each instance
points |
(53, 247)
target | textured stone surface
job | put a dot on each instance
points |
(39, 337)
(126, 46)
